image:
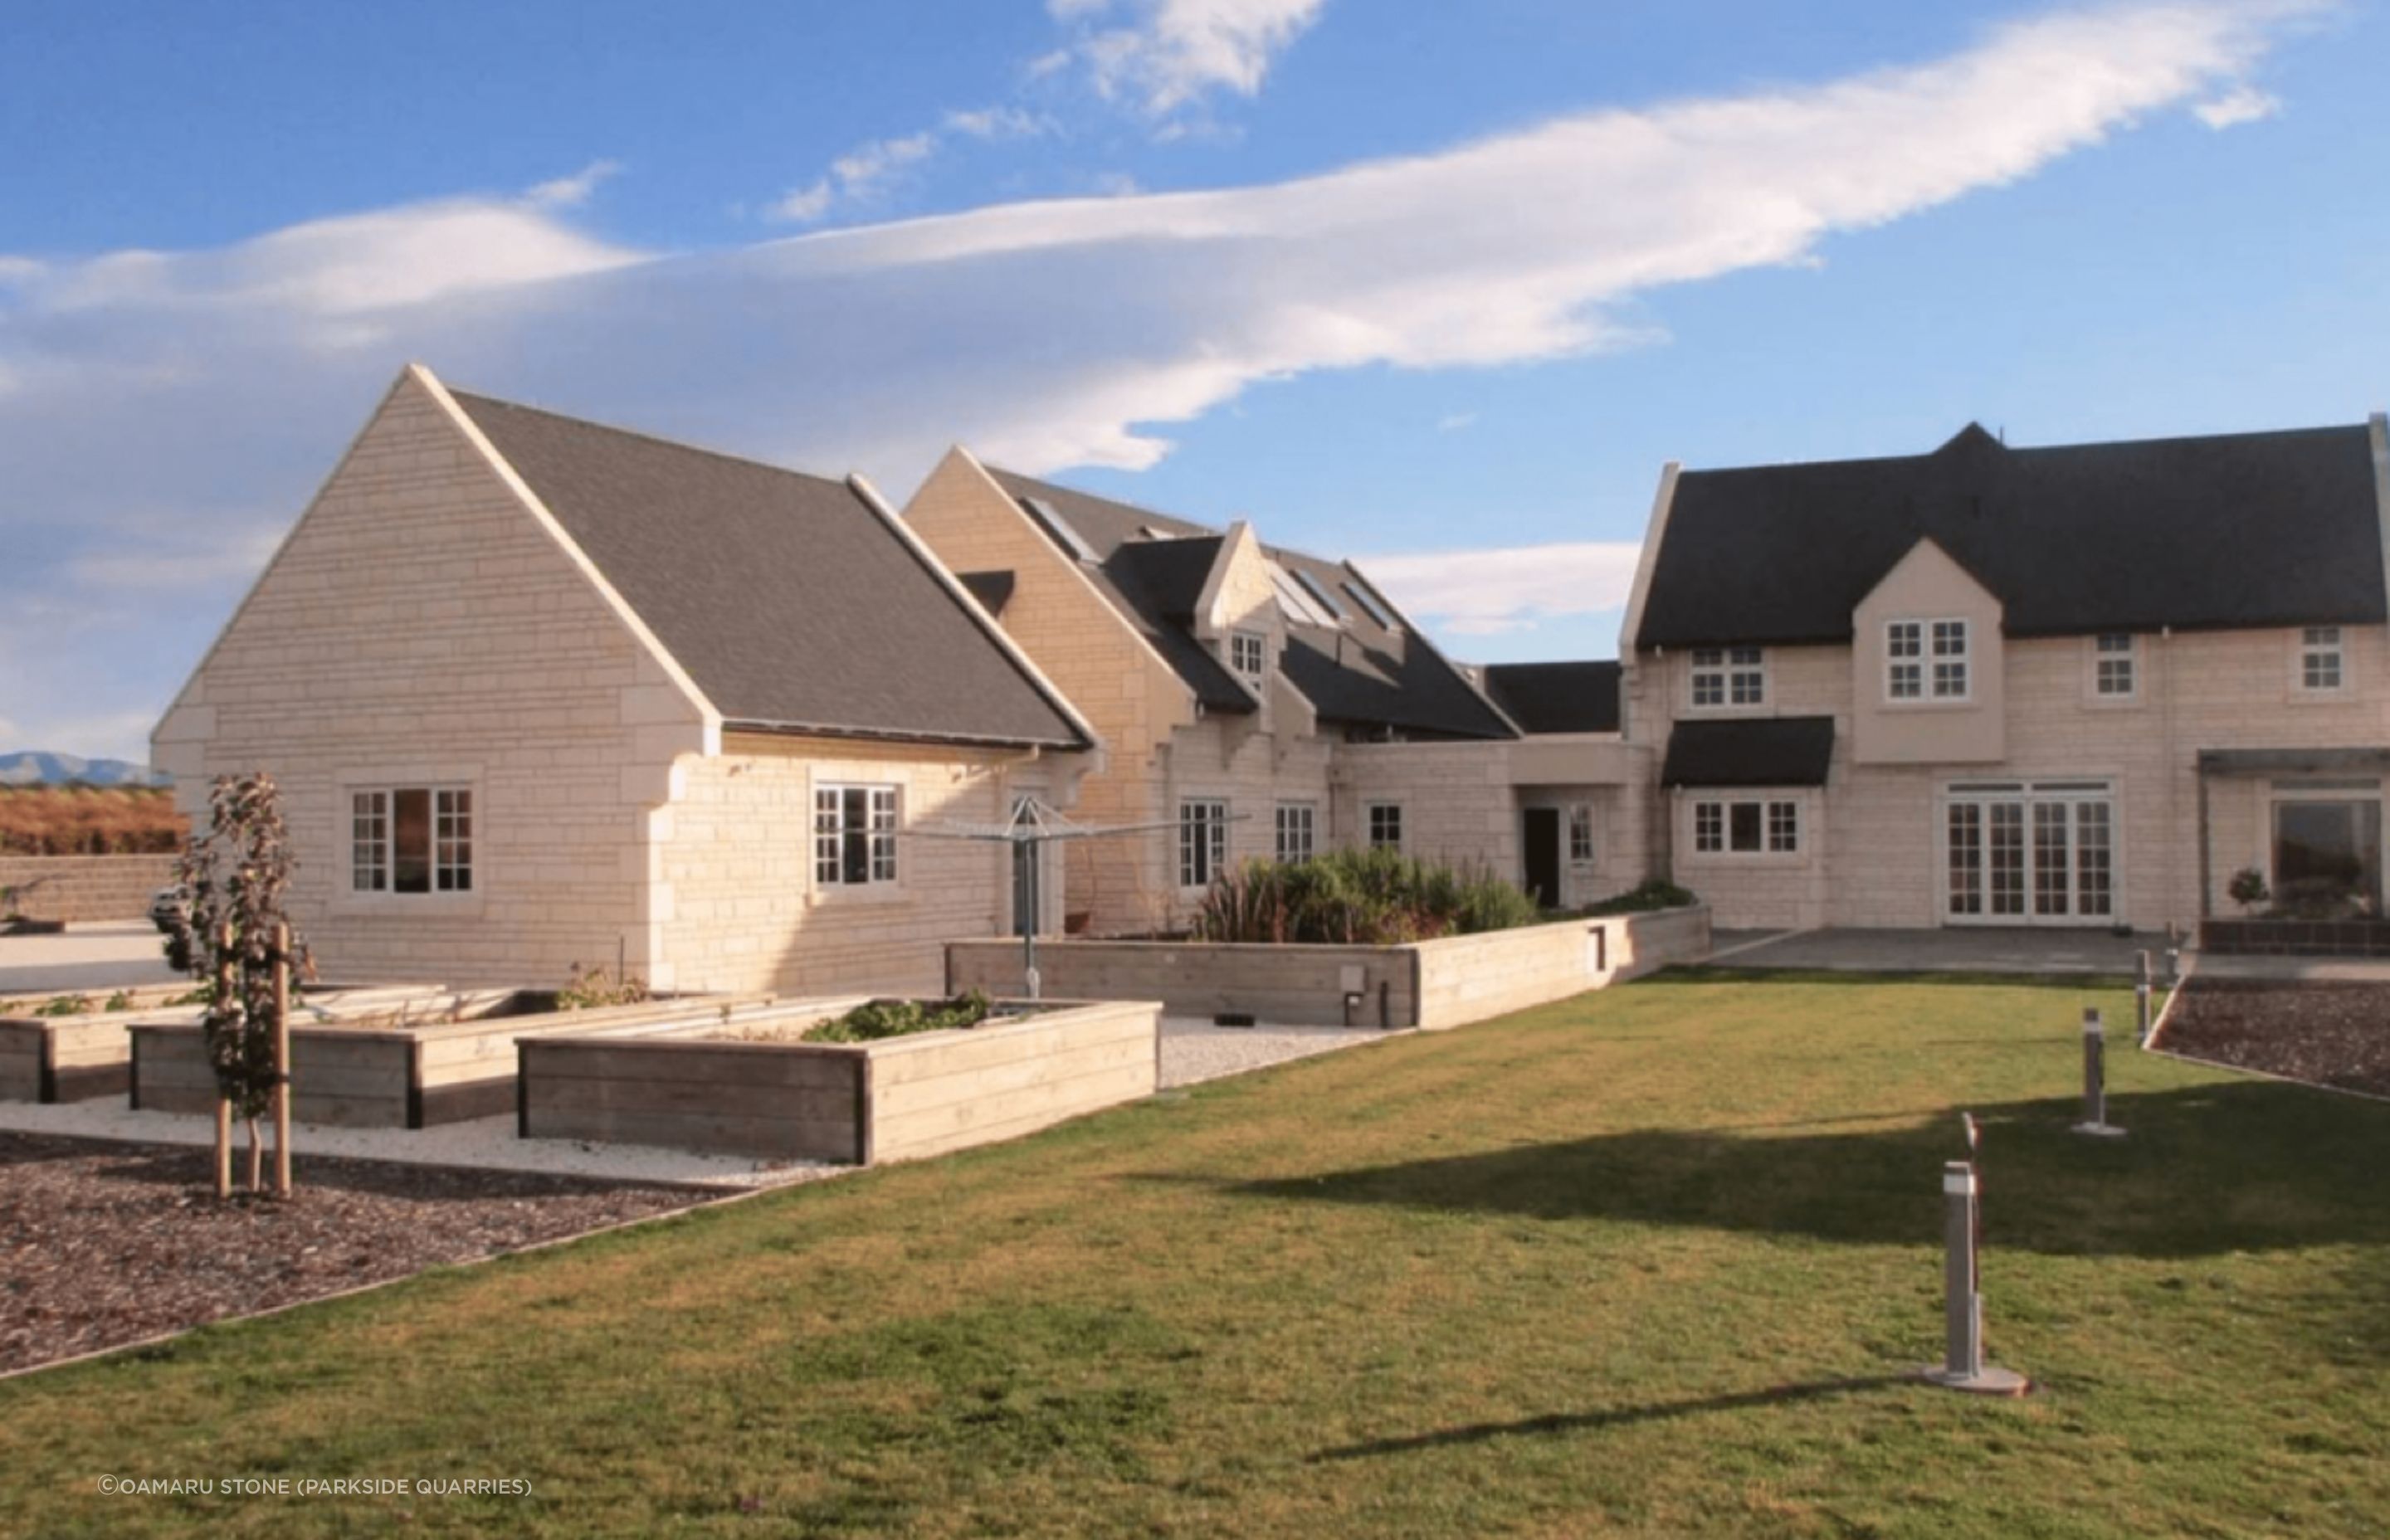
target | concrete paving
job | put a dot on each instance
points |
(122, 954)
(2019, 950)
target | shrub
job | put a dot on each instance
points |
(1357, 898)
(2248, 888)
(594, 988)
(877, 1019)
(1658, 893)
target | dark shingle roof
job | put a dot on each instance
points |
(1764, 751)
(787, 600)
(2246, 530)
(1362, 674)
(1557, 697)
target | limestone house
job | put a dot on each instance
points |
(1992, 686)
(537, 689)
(1257, 701)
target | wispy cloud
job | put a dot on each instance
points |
(2244, 103)
(219, 382)
(1164, 55)
(572, 192)
(1484, 593)
(864, 174)
(1453, 422)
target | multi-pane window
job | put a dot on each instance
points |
(1926, 659)
(1202, 841)
(1904, 652)
(1950, 660)
(1296, 822)
(1249, 655)
(1580, 830)
(1385, 826)
(411, 839)
(1729, 676)
(2320, 661)
(2113, 676)
(854, 835)
(1750, 827)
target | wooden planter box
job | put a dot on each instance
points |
(407, 1075)
(684, 1088)
(84, 1057)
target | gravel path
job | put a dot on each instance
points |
(104, 1244)
(1194, 1050)
(2325, 1033)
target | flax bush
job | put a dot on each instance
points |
(1358, 897)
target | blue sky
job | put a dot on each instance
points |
(1438, 287)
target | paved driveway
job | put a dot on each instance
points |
(2021, 950)
(109, 954)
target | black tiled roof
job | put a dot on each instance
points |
(1361, 674)
(1763, 751)
(785, 596)
(2245, 529)
(1557, 697)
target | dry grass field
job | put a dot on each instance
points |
(88, 820)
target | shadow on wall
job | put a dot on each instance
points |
(2208, 1170)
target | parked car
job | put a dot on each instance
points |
(167, 905)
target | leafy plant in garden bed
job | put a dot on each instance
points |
(1358, 898)
(879, 1020)
(1656, 895)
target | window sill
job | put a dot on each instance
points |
(839, 895)
(437, 905)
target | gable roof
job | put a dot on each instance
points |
(1760, 750)
(2244, 530)
(787, 598)
(1361, 674)
(1557, 697)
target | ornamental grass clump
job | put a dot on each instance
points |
(877, 1019)
(1358, 898)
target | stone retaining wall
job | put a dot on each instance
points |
(76, 888)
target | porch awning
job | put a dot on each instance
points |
(2294, 761)
(1763, 751)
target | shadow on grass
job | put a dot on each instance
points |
(1981, 978)
(2206, 1170)
(1616, 1417)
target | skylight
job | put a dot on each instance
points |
(1368, 601)
(1297, 604)
(1052, 519)
(1317, 590)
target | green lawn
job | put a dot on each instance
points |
(1654, 1261)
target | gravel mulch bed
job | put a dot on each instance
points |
(104, 1244)
(2333, 1035)
(1194, 1050)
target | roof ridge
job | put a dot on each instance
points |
(658, 439)
(2152, 442)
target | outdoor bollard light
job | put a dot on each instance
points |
(1962, 1366)
(2141, 997)
(2095, 1081)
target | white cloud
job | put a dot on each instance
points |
(1453, 422)
(216, 383)
(1167, 54)
(865, 174)
(572, 192)
(802, 205)
(997, 123)
(1484, 593)
(2244, 103)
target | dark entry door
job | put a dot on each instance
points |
(1544, 856)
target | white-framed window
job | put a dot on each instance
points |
(1927, 659)
(2116, 665)
(1249, 655)
(1296, 825)
(411, 839)
(2323, 664)
(1202, 841)
(1384, 824)
(1747, 825)
(1729, 676)
(854, 835)
(1580, 832)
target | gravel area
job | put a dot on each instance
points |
(104, 1244)
(1193, 1049)
(2333, 1035)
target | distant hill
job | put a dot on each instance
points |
(34, 767)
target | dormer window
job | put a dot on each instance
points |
(1249, 655)
(2323, 664)
(1729, 676)
(2114, 675)
(1927, 659)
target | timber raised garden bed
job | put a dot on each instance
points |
(752, 1087)
(77, 1046)
(412, 1064)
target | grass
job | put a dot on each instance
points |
(1651, 1262)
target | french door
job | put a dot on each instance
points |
(2029, 852)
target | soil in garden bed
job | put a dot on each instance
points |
(2324, 1033)
(103, 1244)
